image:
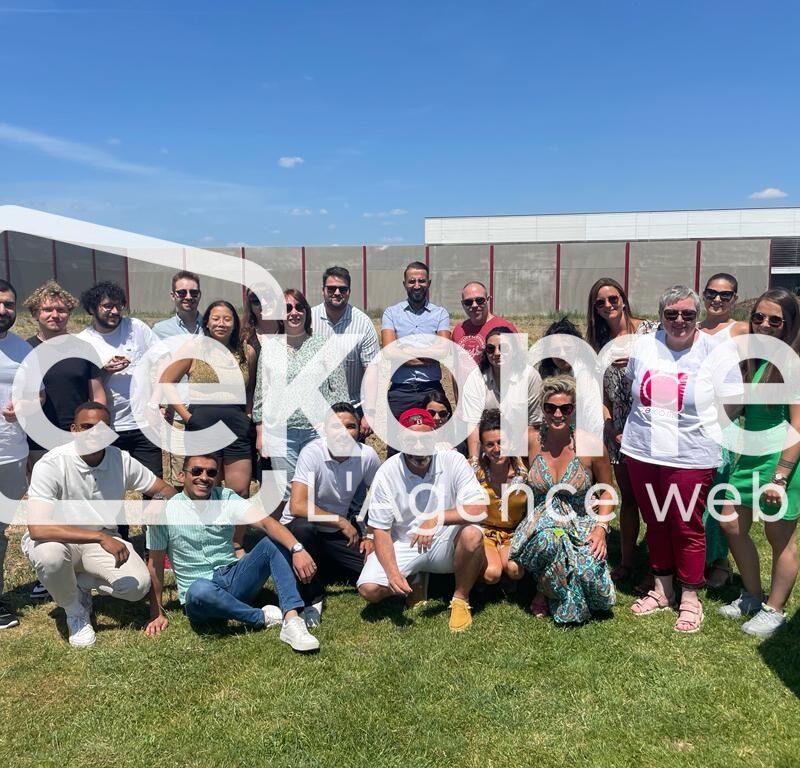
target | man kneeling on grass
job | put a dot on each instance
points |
(423, 511)
(72, 560)
(216, 579)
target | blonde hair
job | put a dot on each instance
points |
(50, 290)
(557, 385)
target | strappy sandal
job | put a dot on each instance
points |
(691, 625)
(719, 575)
(652, 602)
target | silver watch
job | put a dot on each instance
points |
(297, 547)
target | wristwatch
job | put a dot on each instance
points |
(297, 547)
(779, 479)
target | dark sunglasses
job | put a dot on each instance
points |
(551, 409)
(612, 300)
(443, 414)
(758, 318)
(296, 307)
(480, 301)
(332, 290)
(689, 315)
(182, 293)
(197, 471)
(709, 294)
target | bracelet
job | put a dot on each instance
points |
(369, 537)
(604, 526)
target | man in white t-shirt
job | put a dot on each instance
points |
(425, 512)
(71, 560)
(13, 443)
(121, 342)
(324, 486)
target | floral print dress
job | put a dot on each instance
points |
(553, 545)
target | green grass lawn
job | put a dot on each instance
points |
(395, 688)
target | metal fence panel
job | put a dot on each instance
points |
(30, 261)
(284, 264)
(385, 265)
(657, 265)
(318, 259)
(582, 265)
(524, 278)
(451, 267)
(746, 260)
(74, 270)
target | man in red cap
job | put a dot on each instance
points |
(424, 511)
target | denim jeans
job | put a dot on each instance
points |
(232, 587)
(284, 454)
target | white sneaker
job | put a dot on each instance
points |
(744, 605)
(765, 623)
(295, 634)
(81, 633)
(273, 616)
(312, 615)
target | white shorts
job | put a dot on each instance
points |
(438, 559)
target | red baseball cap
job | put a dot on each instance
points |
(414, 416)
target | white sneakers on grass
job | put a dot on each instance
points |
(273, 616)
(295, 634)
(765, 623)
(79, 623)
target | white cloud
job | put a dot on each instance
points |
(323, 211)
(70, 150)
(275, 232)
(331, 226)
(208, 239)
(768, 193)
(385, 214)
(290, 161)
(300, 212)
(392, 240)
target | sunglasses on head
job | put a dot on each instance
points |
(197, 471)
(689, 315)
(479, 300)
(295, 307)
(332, 290)
(709, 294)
(182, 293)
(612, 300)
(551, 409)
(758, 318)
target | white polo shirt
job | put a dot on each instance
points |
(334, 483)
(399, 497)
(62, 475)
(13, 350)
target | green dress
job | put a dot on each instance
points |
(759, 417)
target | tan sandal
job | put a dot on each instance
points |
(693, 624)
(652, 602)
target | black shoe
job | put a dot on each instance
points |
(8, 618)
(39, 592)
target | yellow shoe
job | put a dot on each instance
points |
(460, 615)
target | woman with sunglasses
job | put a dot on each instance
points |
(554, 366)
(775, 314)
(230, 364)
(672, 447)
(297, 348)
(255, 326)
(501, 357)
(609, 320)
(503, 478)
(719, 300)
(561, 541)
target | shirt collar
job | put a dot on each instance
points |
(198, 323)
(425, 308)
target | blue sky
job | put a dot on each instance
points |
(349, 122)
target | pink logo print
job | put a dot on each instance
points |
(666, 390)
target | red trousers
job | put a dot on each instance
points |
(676, 542)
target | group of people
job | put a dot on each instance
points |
(469, 508)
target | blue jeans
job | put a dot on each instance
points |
(228, 594)
(284, 454)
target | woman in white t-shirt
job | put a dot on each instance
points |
(672, 445)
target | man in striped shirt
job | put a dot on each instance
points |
(336, 315)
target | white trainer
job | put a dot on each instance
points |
(295, 633)
(273, 616)
(81, 632)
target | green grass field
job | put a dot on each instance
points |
(395, 688)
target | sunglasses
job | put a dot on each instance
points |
(443, 414)
(197, 471)
(612, 300)
(551, 409)
(182, 293)
(492, 348)
(758, 318)
(332, 290)
(709, 294)
(480, 301)
(295, 307)
(689, 315)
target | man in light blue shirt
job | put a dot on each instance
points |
(216, 579)
(415, 377)
(185, 294)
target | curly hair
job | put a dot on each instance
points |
(50, 290)
(105, 289)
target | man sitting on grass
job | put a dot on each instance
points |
(422, 509)
(71, 560)
(216, 579)
(324, 485)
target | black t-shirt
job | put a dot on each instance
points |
(66, 386)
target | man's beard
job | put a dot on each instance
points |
(6, 321)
